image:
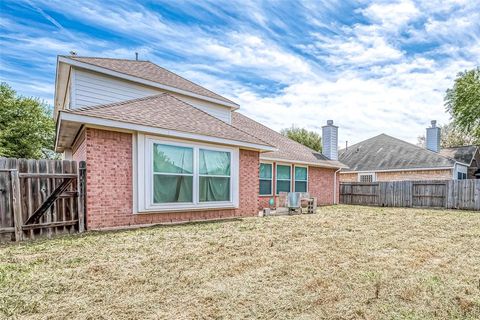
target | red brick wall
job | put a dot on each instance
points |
(320, 185)
(110, 186)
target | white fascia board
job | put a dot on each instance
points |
(120, 75)
(398, 170)
(313, 164)
(158, 131)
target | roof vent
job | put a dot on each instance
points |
(136, 56)
(73, 53)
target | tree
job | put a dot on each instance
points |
(27, 129)
(451, 136)
(308, 138)
(463, 102)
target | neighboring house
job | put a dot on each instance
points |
(160, 148)
(384, 158)
(465, 154)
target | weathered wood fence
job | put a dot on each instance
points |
(41, 198)
(452, 194)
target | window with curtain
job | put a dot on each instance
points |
(283, 178)
(265, 179)
(214, 175)
(301, 179)
(172, 174)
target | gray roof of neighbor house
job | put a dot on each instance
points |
(288, 150)
(463, 154)
(150, 71)
(167, 112)
(384, 152)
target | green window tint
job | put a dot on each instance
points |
(214, 175)
(265, 171)
(214, 189)
(301, 178)
(283, 172)
(215, 163)
(283, 178)
(172, 188)
(265, 179)
(172, 174)
(172, 159)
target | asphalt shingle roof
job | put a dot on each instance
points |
(288, 149)
(384, 152)
(167, 112)
(152, 72)
(463, 154)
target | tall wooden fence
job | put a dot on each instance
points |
(40, 198)
(452, 194)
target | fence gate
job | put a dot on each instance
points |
(41, 198)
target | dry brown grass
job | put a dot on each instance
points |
(345, 262)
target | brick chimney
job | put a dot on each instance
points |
(330, 141)
(433, 137)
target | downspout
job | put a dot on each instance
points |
(335, 186)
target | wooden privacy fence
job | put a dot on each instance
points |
(452, 194)
(41, 198)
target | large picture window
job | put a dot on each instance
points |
(283, 178)
(172, 174)
(214, 175)
(301, 179)
(178, 175)
(266, 179)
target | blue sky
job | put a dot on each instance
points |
(371, 66)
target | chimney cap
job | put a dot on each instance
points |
(329, 122)
(434, 123)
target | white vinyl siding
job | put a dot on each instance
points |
(91, 88)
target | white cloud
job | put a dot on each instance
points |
(357, 73)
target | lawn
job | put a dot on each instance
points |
(346, 262)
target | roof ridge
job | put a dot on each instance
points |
(104, 58)
(276, 132)
(353, 145)
(113, 104)
(208, 114)
(404, 142)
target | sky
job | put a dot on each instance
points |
(371, 66)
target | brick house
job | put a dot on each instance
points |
(160, 148)
(385, 158)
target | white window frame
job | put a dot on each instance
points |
(276, 176)
(295, 180)
(372, 174)
(144, 181)
(271, 180)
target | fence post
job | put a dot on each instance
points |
(16, 205)
(82, 187)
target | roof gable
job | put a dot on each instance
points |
(149, 71)
(384, 152)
